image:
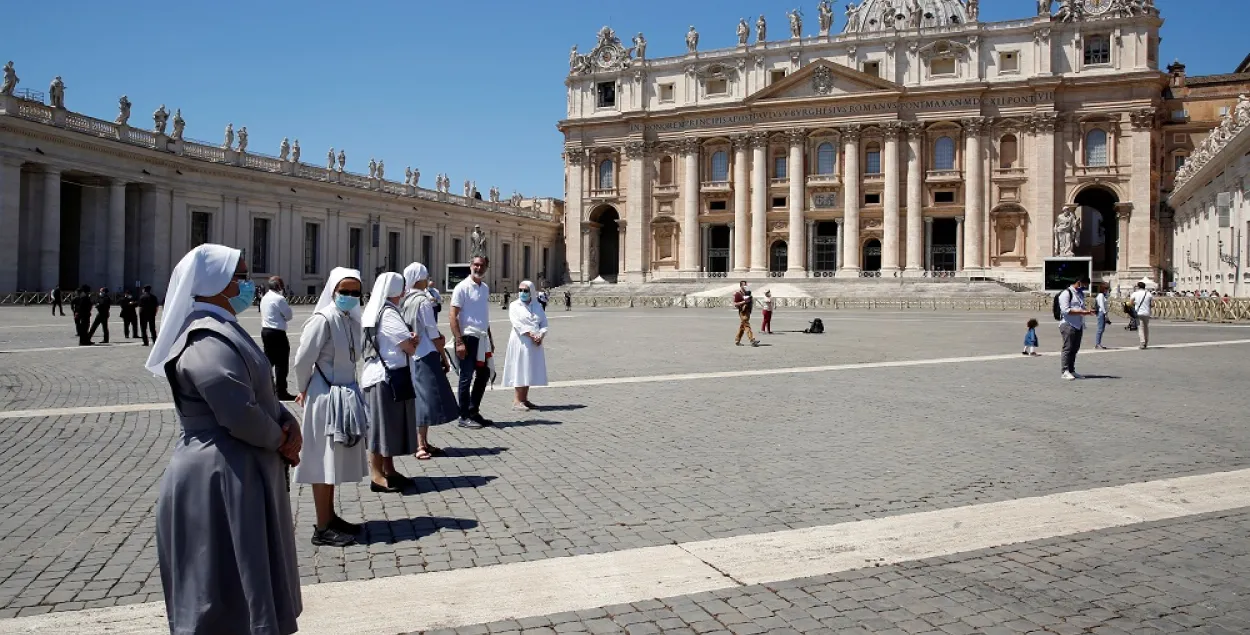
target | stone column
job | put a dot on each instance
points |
(636, 202)
(1124, 224)
(161, 264)
(837, 261)
(928, 245)
(1043, 126)
(973, 187)
(759, 203)
(889, 225)
(850, 178)
(621, 236)
(796, 252)
(959, 244)
(584, 241)
(741, 237)
(50, 244)
(916, 252)
(10, 220)
(1138, 251)
(690, 205)
(117, 234)
(574, 215)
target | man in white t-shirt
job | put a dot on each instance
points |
(470, 326)
(1142, 300)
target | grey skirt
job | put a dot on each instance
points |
(392, 424)
(436, 404)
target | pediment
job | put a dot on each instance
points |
(823, 78)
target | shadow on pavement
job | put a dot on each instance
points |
(393, 531)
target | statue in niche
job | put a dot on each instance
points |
(243, 139)
(342, 160)
(382, 170)
(1067, 231)
(761, 30)
(123, 111)
(692, 40)
(852, 18)
(373, 168)
(744, 32)
(974, 10)
(330, 160)
(824, 12)
(56, 93)
(10, 79)
(229, 141)
(640, 46)
(295, 152)
(284, 149)
(180, 124)
(477, 243)
(796, 23)
(159, 118)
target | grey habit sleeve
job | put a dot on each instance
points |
(221, 378)
(314, 336)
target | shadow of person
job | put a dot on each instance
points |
(425, 484)
(560, 407)
(1101, 376)
(408, 529)
(463, 452)
(526, 422)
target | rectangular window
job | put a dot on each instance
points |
(1008, 62)
(457, 255)
(200, 224)
(312, 248)
(944, 196)
(260, 246)
(873, 68)
(605, 95)
(526, 253)
(717, 87)
(779, 202)
(427, 250)
(873, 163)
(1097, 50)
(1180, 138)
(872, 199)
(776, 75)
(392, 250)
(717, 206)
(355, 247)
(507, 261)
(667, 93)
(779, 167)
(1178, 162)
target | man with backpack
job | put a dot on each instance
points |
(1138, 306)
(1070, 311)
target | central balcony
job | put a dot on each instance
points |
(604, 193)
(715, 186)
(822, 179)
(944, 176)
(664, 190)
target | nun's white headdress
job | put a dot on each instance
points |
(204, 271)
(327, 294)
(388, 285)
(414, 273)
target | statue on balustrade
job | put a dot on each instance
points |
(416, 177)
(1044, 7)
(295, 152)
(373, 168)
(974, 10)
(761, 30)
(852, 18)
(284, 149)
(123, 111)
(243, 139)
(889, 14)
(915, 15)
(477, 243)
(744, 32)
(160, 117)
(56, 93)
(692, 40)
(640, 46)
(179, 125)
(824, 12)
(1067, 231)
(1243, 111)
(10, 79)
(342, 160)
(229, 140)
(796, 23)
(468, 189)
(382, 170)
(516, 199)
(330, 160)
(408, 175)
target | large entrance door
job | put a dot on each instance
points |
(942, 251)
(718, 249)
(778, 257)
(872, 255)
(1099, 230)
(825, 249)
(609, 244)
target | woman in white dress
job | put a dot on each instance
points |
(334, 410)
(526, 363)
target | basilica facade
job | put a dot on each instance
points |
(906, 139)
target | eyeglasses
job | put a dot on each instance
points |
(350, 294)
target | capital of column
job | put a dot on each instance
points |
(891, 129)
(689, 146)
(575, 156)
(913, 128)
(1046, 122)
(50, 171)
(759, 139)
(974, 126)
(741, 141)
(959, 220)
(852, 132)
(635, 150)
(928, 220)
(1123, 211)
(797, 136)
(1142, 119)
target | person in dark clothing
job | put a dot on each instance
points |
(147, 314)
(568, 301)
(56, 298)
(103, 306)
(81, 307)
(129, 315)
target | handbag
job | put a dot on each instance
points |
(400, 380)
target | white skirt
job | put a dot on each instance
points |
(525, 363)
(322, 461)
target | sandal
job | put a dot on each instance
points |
(423, 455)
(435, 451)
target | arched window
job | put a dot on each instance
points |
(1096, 148)
(779, 166)
(826, 158)
(1008, 151)
(666, 171)
(606, 174)
(944, 153)
(720, 166)
(873, 163)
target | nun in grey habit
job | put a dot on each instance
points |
(388, 346)
(224, 532)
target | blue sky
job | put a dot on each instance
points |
(471, 88)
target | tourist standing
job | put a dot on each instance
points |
(1072, 314)
(275, 314)
(103, 307)
(225, 537)
(1030, 338)
(387, 382)
(436, 301)
(335, 423)
(1142, 301)
(770, 304)
(744, 304)
(470, 329)
(55, 297)
(436, 403)
(1100, 304)
(526, 363)
(80, 306)
(148, 304)
(568, 300)
(543, 297)
(129, 315)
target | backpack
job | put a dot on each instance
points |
(1055, 304)
(816, 327)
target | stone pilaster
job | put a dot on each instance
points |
(1138, 256)
(1042, 126)
(575, 161)
(850, 178)
(889, 225)
(690, 205)
(796, 251)
(759, 203)
(742, 237)
(10, 220)
(915, 198)
(50, 243)
(116, 250)
(974, 187)
(636, 199)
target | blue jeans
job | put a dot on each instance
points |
(1102, 326)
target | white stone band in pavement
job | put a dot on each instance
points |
(512, 591)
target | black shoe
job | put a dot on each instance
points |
(469, 424)
(382, 489)
(399, 482)
(331, 537)
(480, 420)
(344, 527)
(286, 397)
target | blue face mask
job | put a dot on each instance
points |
(247, 293)
(346, 303)
(525, 296)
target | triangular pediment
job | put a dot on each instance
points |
(824, 78)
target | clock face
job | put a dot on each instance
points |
(1097, 7)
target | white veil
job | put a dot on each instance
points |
(204, 271)
(388, 285)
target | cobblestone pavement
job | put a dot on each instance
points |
(618, 466)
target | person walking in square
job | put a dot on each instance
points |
(436, 404)
(225, 534)
(568, 300)
(148, 304)
(103, 306)
(526, 361)
(275, 313)
(1072, 314)
(1142, 301)
(335, 422)
(1100, 304)
(1030, 339)
(387, 382)
(470, 329)
(744, 304)
(770, 304)
(81, 308)
(56, 298)
(128, 308)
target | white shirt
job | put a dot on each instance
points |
(473, 300)
(770, 304)
(427, 329)
(391, 331)
(275, 312)
(1101, 302)
(1142, 299)
(1070, 299)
